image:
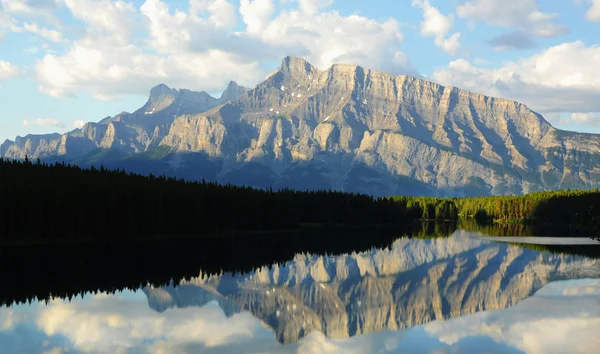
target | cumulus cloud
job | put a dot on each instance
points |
(325, 38)
(435, 24)
(593, 13)
(524, 16)
(203, 48)
(44, 122)
(562, 78)
(113, 21)
(8, 70)
(110, 66)
(256, 13)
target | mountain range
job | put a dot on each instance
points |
(411, 283)
(345, 128)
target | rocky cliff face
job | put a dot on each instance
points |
(354, 129)
(412, 283)
(125, 133)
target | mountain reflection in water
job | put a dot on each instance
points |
(497, 296)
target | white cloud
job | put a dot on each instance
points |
(203, 48)
(312, 6)
(557, 319)
(29, 7)
(256, 13)
(437, 25)
(524, 16)
(593, 13)
(36, 9)
(449, 45)
(114, 21)
(8, 70)
(325, 38)
(52, 35)
(221, 12)
(54, 91)
(563, 78)
(590, 118)
(44, 122)
(186, 54)
(78, 124)
(124, 324)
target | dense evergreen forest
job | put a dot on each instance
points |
(59, 201)
(41, 201)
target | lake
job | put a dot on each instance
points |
(437, 290)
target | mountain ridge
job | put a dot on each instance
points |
(346, 128)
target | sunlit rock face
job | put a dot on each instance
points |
(346, 128)
(125, 133)
(412, 283)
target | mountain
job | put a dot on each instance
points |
(409, 284)
(346, 128)
(124, 134)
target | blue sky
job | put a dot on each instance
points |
(64, 62)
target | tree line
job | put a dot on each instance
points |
(563, 207)
(61, 201)
(64, 202)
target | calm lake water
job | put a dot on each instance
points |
(462, 293)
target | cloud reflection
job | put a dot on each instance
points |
(124, 323)
(562, 317)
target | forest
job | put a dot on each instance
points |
(61, 202)
(560, 208)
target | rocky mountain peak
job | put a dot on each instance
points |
(297, 66)
(161, 89)
(232, 85)
(232, 92)
(161, 96)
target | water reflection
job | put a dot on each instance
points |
(408, 284)
(383, 300)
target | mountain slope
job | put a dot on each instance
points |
(347, 128)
